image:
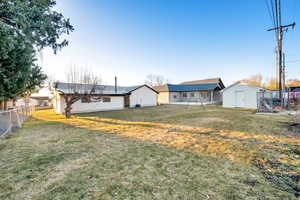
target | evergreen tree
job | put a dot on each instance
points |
(16, 59)
(36, 20)
(25, 28)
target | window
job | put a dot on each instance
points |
(106, 99)
(184, 94)
(174, 96)
(85, 99)
(204, 95)
(192, 94)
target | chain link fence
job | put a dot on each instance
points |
(269, 101)
(294, 98)
(11, 120)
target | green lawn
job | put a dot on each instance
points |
(165, 152)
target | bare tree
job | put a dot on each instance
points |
(81, 84)
(293, 83)
(155, 80)
(51, 79)
(256, 80)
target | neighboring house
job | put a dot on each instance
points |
(41, 98)
(112, 98)
(240, 95)
(191, 92)
(294, 92)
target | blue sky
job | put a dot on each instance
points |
(179, 39)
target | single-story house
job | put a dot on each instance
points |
(241, 95)
(191, 92)
(41, 98)
(112, 97)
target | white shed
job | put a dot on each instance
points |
(143, 96)
(240, 95)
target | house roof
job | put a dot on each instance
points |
(241, 83)
(43, 92)
(162, 88)
(198, 85)
(205, 81)
(69, 88)
(187, 88)
(295, 89)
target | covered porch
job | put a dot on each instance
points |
(195, 97)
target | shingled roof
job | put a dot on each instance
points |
(187, 88)
(198, 85)
(205, 81)
(69, 88)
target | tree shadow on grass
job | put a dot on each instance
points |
(237, 148)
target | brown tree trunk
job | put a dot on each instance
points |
(68, 107)
(70, 100)
(5, 105)
(1, 105)
(68, 110)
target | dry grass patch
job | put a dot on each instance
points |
(168, 152)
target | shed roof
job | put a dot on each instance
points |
(241, 83)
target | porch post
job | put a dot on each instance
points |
(211, 96)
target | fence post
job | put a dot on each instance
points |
(10, 122)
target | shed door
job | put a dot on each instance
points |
(240, 99)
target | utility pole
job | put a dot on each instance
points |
(279, 29)
(283, 72)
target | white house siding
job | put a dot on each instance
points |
(58, 103)
(55, 101)
(143, 96)
(116, 103)
(31, 102)
(240, 95)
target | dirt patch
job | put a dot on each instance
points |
(293, 129)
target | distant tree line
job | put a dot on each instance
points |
(27, 27)
(155, 80)
(270, 84)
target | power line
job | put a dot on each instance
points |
(279, 29)
(294, 10)
(273, 15)
(271, 12)
(279, 12)
(276, 13)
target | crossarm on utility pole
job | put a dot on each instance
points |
(286, 26)
(280, 29)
